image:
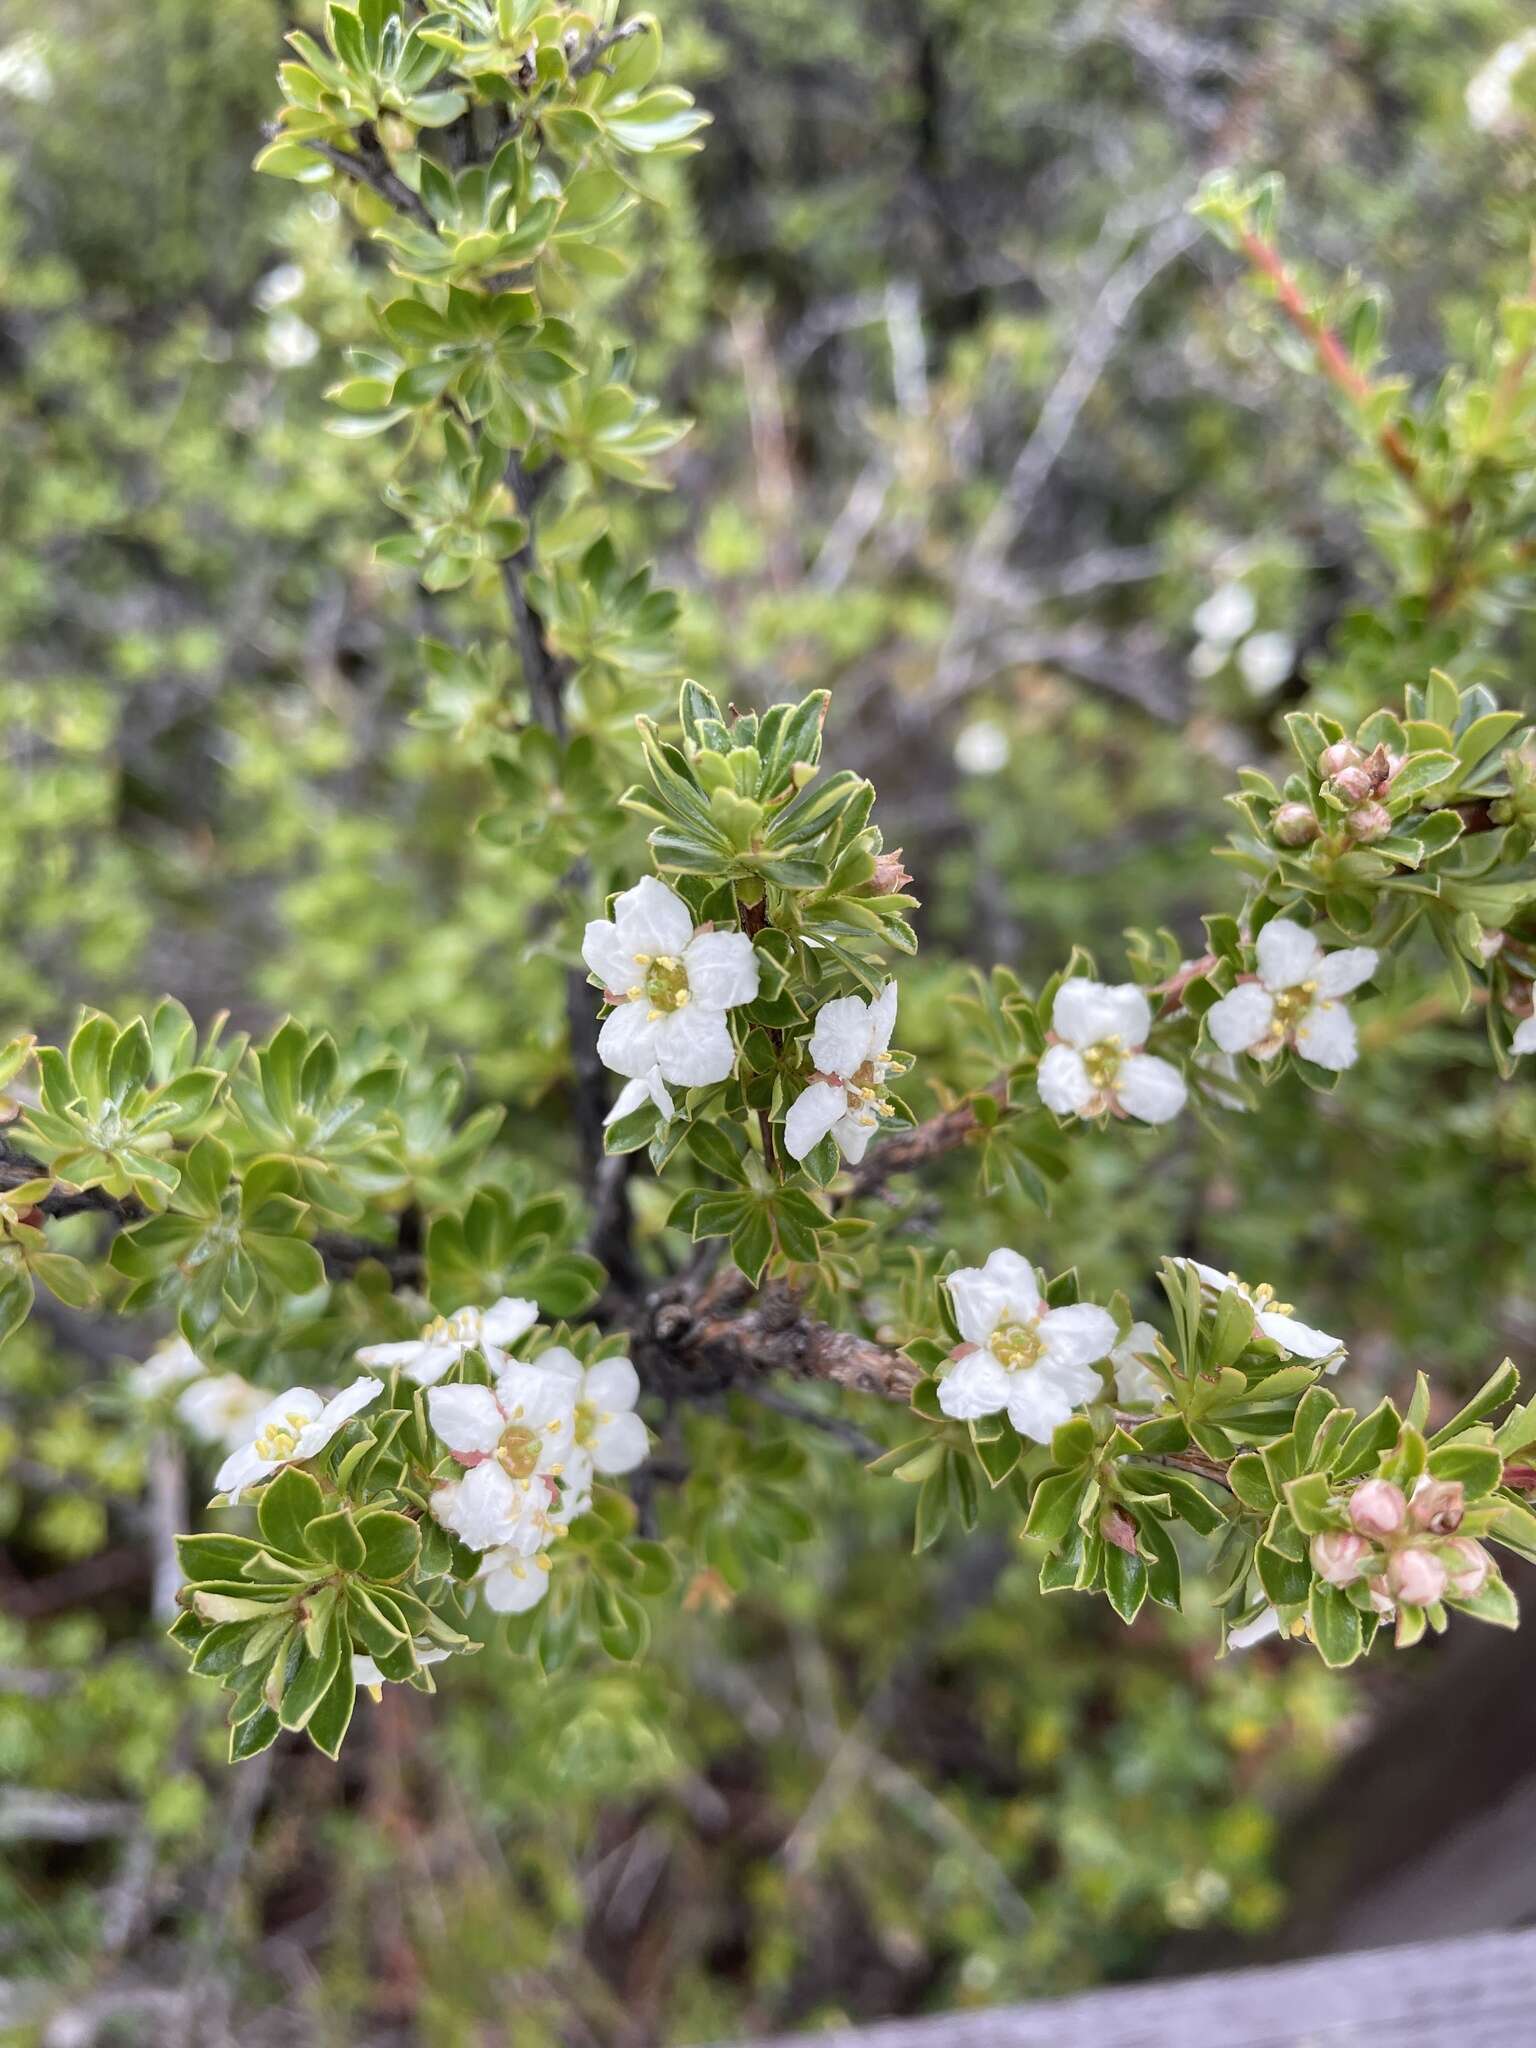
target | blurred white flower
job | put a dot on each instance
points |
(1491, 90)
(981, 747)
(24, 71)
(221, 1409)
(1097, 1066)
(1227, 614)
(1294, 999)
(1265, 660)
(1032, 1361)
(281, 284)
(168, 1366)
(850, 1050)
(1135, 1382)
(289, 343)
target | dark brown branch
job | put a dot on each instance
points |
(729, 1337)
(591, 58)
(18, 1167)
(369, 166)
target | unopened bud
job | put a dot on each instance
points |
(1339, 1556)
(1294, 824)
(1438, 1505)
(1370, 821)
(890, 877)
(1417, 1577)
(1354, 785)
(1469, 1565)
(1334, 760)
(1116, 1527)
(1381, 766)
(1378, 1508)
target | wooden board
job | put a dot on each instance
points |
(1477, 1993)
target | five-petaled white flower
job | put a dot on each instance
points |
(446, 1339)
(609, 1436)
(514, 1441)
(1035, 1362)
(1273, 1319)
(671, 987)
(296, 1426)
(850, 1049)
(1135, 1381)
(1294, 1000)
(1096, 1065)
(221, 1408)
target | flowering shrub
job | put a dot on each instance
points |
(728, 922)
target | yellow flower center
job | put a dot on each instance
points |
(462, 1327)
(518, 1452)
(281, 1439)
(665, 986)
(1101, 1062)
(1016, 1345)
(1292, 1004)
(863, 1088)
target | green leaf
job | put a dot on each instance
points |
(331, 1718)
(1055, 1506)
(391, 1543)
(336, 1538)
(287, 1507)
(1336, 1625)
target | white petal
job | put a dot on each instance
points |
(1041, 1397)
(1150, 1088)
(1077, 1336)
(1212, 1277)
(694, 1047)
(976, 1385)
(1346, 969)
(1297, 1340)
(1087, 1012)
(1288, 953)
(511, 1584)
(576, 1489)
(1134, 1380)
(484, 1508)
(609, 958)
(627, 1042)
(811, 1115)
(545, 1402)
(1326, 1036)
(1266, 1623)
(630, 1098)
(1243, 1019)
(853, 1134)
(620, 1444)
(653, 919)
(387, 1356)
(429, 1364)
(1524, 1039)
(612, 1386)
(559, 1360)
(366, 1673)
(466, 1418)
(1063, 1081)
(983, 1296)
(240, 1469)
(508, 1319)
(882, 1018)
(722, 969)
(843, 1038)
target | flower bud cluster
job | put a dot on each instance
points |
(1360, 780)
(1405, 1549)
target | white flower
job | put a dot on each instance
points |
(1524, 1039)
(1265, 660)
(981, 747)
(671, 987)
(168, 1366)
(221, 1409)
(609, 1436)
(649, 1087)
(1227, 614)
(1294, 1000)
(1491, 90)
(367, 1674)
(511, 1582)
(447, 1339)
(296, 1426)
(1035, 1362)
(1273, 1319)
(1264, 1624)
(850, 1049)
(1135, 1382)
(513, 1440)
(1096, 1065)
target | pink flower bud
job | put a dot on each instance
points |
(1368, 822)
(1354, 784)
(1438, 1505)
(1416, 1577)
(1294, 824)
(1381, 1599)
(1335, 759)
(1470, 1567)
(1381, 766)
(890, 877)
(1116, 1527)
(1339, 1556)
(1378, 1508)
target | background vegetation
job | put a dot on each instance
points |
(934, 250)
